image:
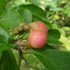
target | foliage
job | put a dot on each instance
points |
(56, 53)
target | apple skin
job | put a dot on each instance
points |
(37, 39)
(39, 26)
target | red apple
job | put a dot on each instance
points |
(39, 26)
(37, 39)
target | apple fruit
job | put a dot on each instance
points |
(39, 26)
(37, 39)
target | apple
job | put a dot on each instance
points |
(39, 26)
(37, 39)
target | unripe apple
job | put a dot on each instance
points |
(37, 39)
(39, 26)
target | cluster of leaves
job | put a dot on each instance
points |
(59, 17)
(14, 12)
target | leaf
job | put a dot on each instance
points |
(2, 4)
(35, 2)
(27, 15)
(53, 59)
(66, 42)
(8, 62)
(36, 11)
(4, 47)
(2, 39)
(3, 35)
(0, 55)
(11, 19)
(53, 36)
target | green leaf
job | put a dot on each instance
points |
(2, 4)
(53, 59)
(53, 36)
(4, 47)
(11, 19)
(36, 11)
(35, 2)
(3, 35)
(27, 15)
(0, 55)
(8, 62)
(4, 44)
(4, 40)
